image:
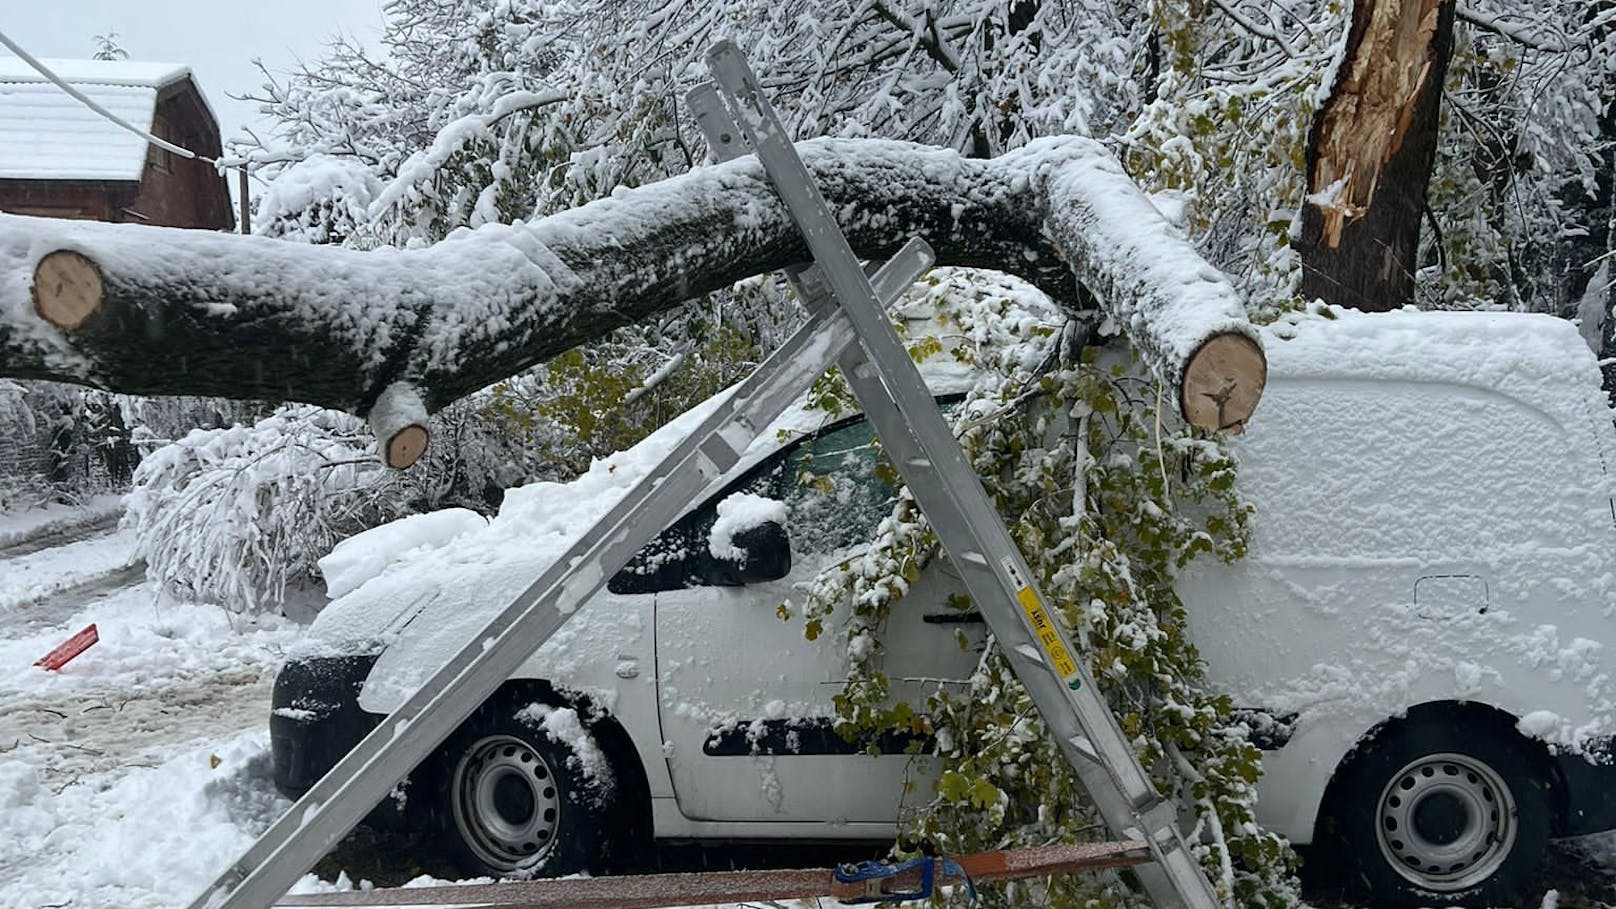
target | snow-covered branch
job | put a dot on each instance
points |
(1253, 27)
(1516, 33)
(162, 311)
(451, 138)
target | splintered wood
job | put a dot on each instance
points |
(649, 891)
(1389, 57)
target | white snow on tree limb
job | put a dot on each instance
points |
(1151, 280)
(461, 314)
(453, 137)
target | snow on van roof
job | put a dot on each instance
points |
(45, 134)
(1456, 346)
(1533, 357)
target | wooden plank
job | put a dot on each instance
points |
(650, 891)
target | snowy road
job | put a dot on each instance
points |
(55, 525)
(134, 774)
(40, 589)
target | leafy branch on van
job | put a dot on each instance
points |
(397, 334)
(1107, 503)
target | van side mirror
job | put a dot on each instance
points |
(767, 557)
(681, 558)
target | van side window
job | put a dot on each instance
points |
(834, 493)
(836, 484)
(666, 562)
(839, 490)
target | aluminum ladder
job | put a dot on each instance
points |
(847, 326)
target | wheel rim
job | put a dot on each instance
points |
(505, 803)
(1446, 822)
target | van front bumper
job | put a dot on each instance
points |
(1590, 789)
(315, 719)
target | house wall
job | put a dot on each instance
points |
(176, 191)
(86, 200)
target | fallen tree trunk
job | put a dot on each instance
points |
(158, 311)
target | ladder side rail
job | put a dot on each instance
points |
(368, 772)
(1087, 730)
(839, 268)
(723, 138)
(1128, 798)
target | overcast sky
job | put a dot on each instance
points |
(217, 40)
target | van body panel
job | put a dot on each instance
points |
(1426, 528)
(1433, 522)
(605, 653)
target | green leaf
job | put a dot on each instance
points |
(953, 786)
(984, 794)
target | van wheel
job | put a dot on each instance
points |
(1441, 811)
(518, 802)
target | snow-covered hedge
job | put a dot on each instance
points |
(238, 515)
(241, 516)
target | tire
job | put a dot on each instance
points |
(516, 801)
(1439, 810)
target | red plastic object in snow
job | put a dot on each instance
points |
(74, 646)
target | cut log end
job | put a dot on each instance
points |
(399, 420)
(67, 289)
(1223, 382)
(406, 446)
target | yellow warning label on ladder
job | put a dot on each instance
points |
(1042, 625)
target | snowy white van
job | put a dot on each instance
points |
(1418, 635)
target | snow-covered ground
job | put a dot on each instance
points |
(133, 775)
(139, 769)
(23, 526)
(29, 580)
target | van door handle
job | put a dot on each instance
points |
(969, 617)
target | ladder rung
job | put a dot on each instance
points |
(974, 557)
(1085, 747)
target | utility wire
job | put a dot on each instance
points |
(89, 102)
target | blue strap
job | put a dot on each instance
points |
(865, 872)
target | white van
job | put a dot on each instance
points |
(1417, 634)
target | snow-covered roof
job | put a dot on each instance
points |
(47, 135)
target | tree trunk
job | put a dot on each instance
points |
(159, 311)
(1594, 265)
(1370, 154)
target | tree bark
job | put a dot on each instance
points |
(1370, 154)
(159, 311)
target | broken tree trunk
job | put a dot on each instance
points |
(1370, 154)
(159, 311)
